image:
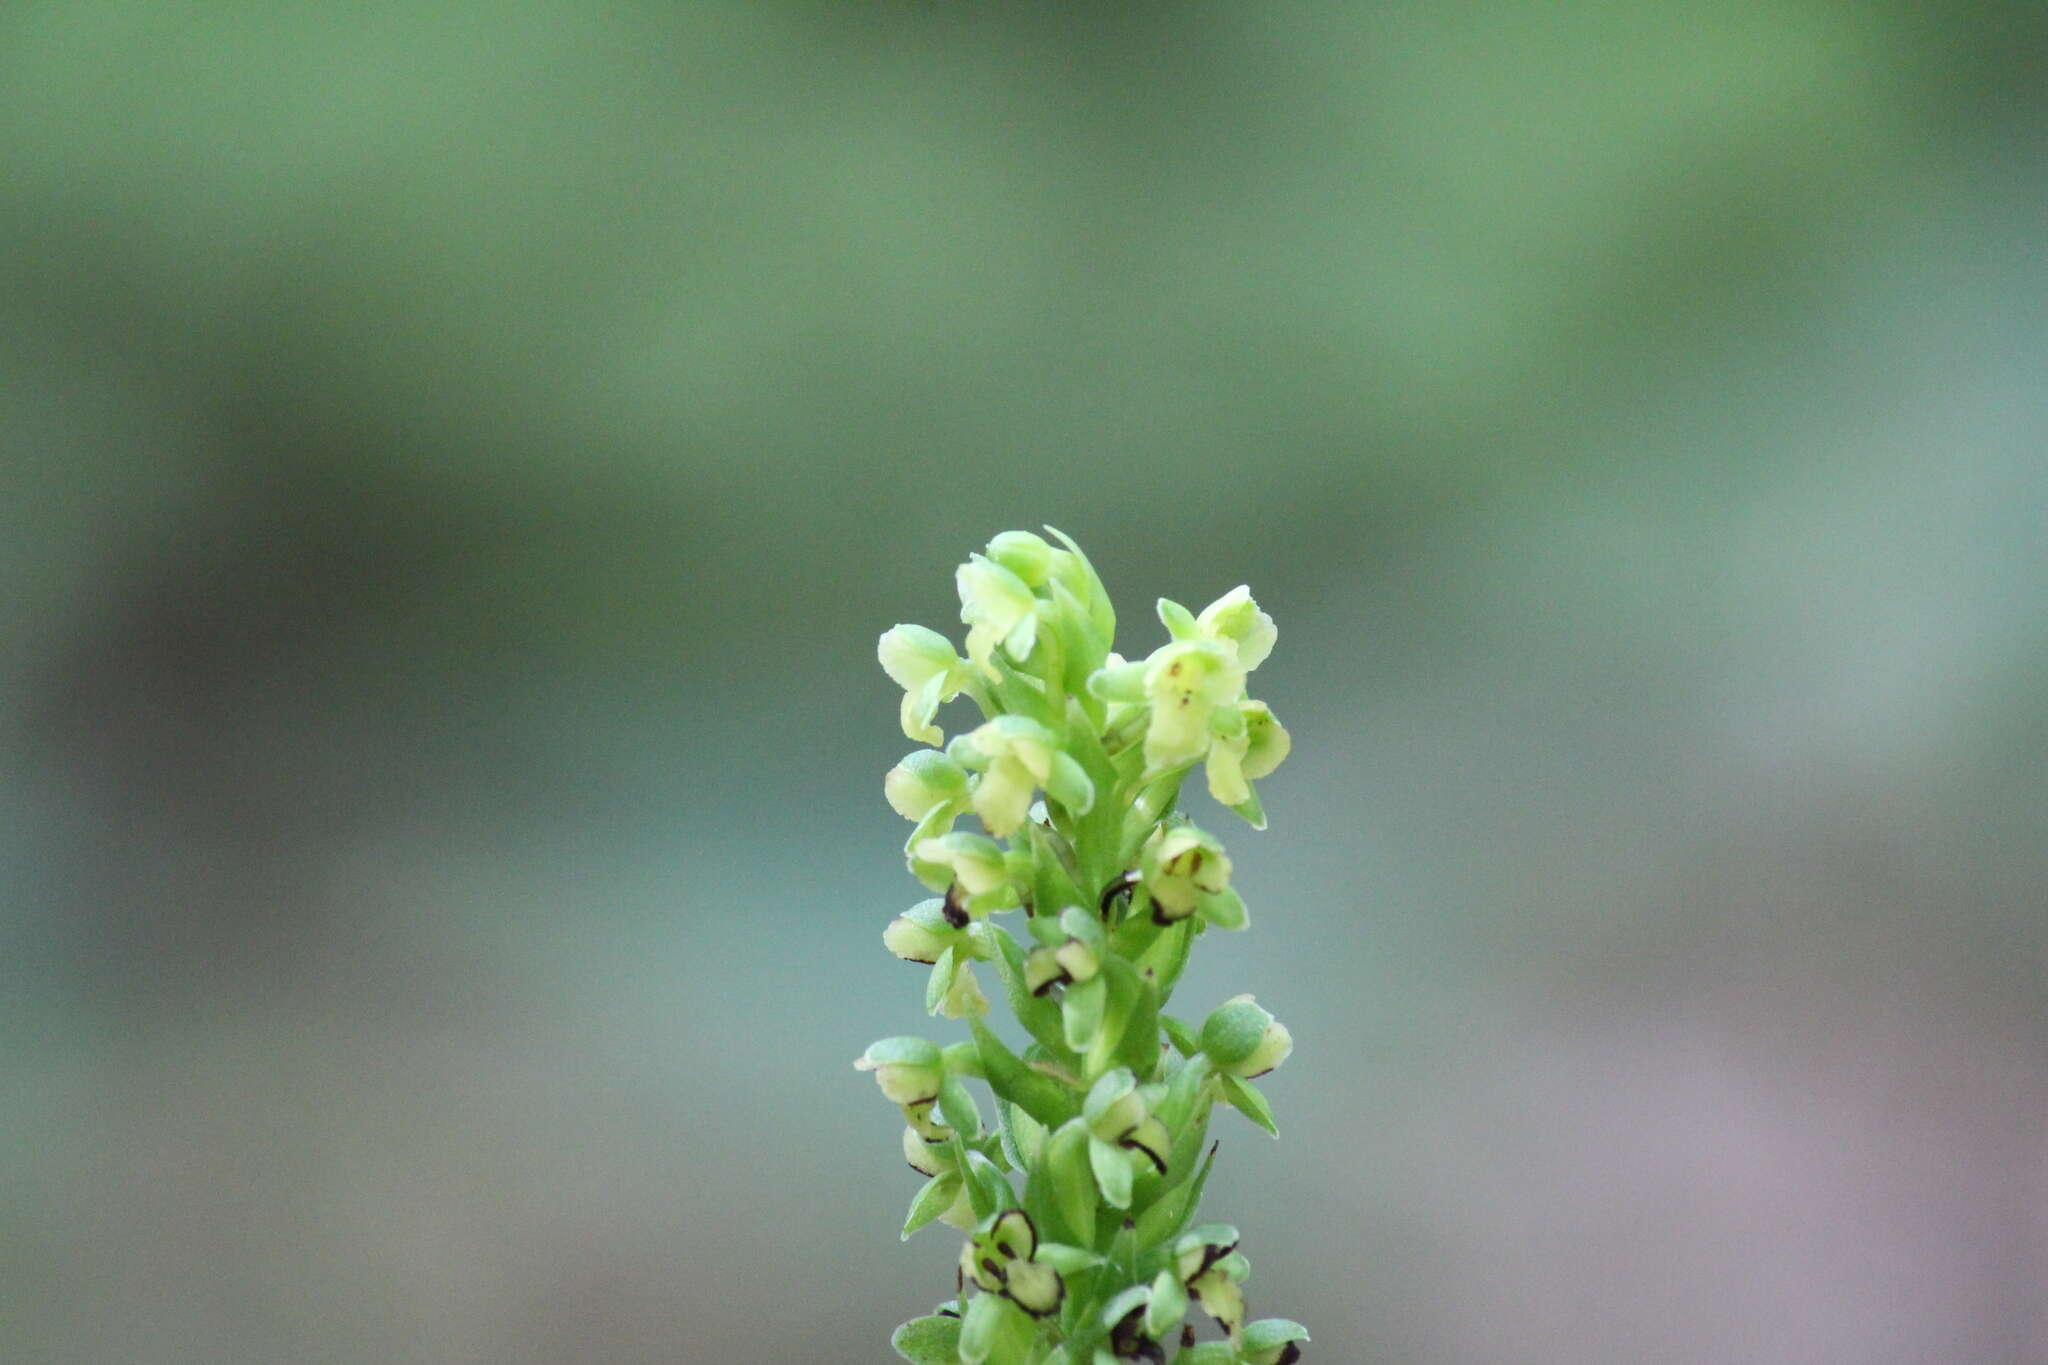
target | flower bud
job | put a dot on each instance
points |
(1201, 1247)
(1254, 751)
(908, 1069)
(921, 662)
(923, 780)
(926, 1157)
(1181, 865)
(1113, 1107)
(1024, 555)
(1243, 1040)
(962, 996)
(1273, 1341)
(999, 609)
(925, 930)
(1014, 756)
(1236, 618)
(976, 862)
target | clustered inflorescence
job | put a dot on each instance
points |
(1074, 775)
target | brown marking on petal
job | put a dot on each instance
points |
(1060, 980)
(1290, 1355)
(1130, 1144)
(952, 910)
(1187, 1335)
(1120, 885)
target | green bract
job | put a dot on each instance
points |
(1078, 1197)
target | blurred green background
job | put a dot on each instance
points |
(454, 464)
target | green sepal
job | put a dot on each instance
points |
(1066, 783)
(1224, 909)
(1178, 620)
(1121, 1307)
(1112, 1172)
(1041, 1017)
(1245, 1097)
(1208, 1353)
(1100, 613)
(1023, 1137)
(987, 1189)
(1085, 649)
(1167, 1305)
(940, 981)
(1066, 1258)
(1081, 1010)
(1072, 1182)
(1039, 1095)
(928, 1341)
(961, 1059)
(934, 1199)
(1233, 1030)
(937, 822)
(902, 1051)
(1085, 926)
(1177, 1033)
(1119, 682)
(959, 1109)
(1184, 1091)
(1253, 811)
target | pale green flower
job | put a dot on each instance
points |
(1182, 867)
(1185, 682)
(908, 1069)
(1254, 751)
(974, 862)
(1244, 1040)
(1236, 618)
(923, 780)
(1016, 756)
(922, 662)
(999, 609)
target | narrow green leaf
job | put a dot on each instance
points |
(1246, 1098)
(1182, 1038)
(928, 1203)
(1139, 1047)
(959, 1108)
(1073, 1183)
(987, 1189)
(1039, 1095)
(1178, 620)
(941, 980)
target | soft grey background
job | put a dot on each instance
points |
(454, 463)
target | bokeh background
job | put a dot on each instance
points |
(455, 461)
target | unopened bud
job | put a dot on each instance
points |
(908, 1069)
